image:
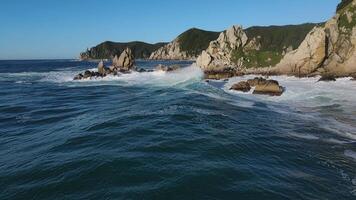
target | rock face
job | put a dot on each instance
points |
(218, 55)
(125, 61)
(171, 51)
(308, 57)
(261, 86)
(329, 49)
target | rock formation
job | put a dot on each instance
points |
(243, 86)
(218, 56)
(261, 86)
(125, 61)
(122, 64)
(328, 48)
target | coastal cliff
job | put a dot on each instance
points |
(310, 49)
(187, 46)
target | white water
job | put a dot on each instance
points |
(306, 96)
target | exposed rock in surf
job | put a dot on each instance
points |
(101, 68)
(262, 86)
(327, 78)
(122, 64)
(167, 68)
(221, 74)
(241, 86)
(267, 87)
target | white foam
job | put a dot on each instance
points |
(157, 78)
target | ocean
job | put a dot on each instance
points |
(171, 135)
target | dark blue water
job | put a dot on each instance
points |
(167, 136)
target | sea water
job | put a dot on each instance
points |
(171, 135)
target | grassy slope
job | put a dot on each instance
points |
(194, 41)
(273, 40)
(108, 49)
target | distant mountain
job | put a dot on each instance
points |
(108, 49)
(187, 45)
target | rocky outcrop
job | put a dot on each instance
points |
(171, 51)
(122, 64)
(218, 56)
(329, 48)
(125, 61)
(242, 86)
(261, 86)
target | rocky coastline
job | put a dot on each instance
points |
(121, 64)
(328, 50)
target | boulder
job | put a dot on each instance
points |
(268, 87)
(241, 86)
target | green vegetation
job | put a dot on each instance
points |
(343, 4)
(277, 38)
(194, 41)
(344, 22)
(273, 41)
(254, 58)
(108, 49)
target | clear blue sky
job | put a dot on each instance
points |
(32, 29)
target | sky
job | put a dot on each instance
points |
(53, 29)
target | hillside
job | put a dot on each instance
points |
(108, 49)
(271, 43)
(187, 45)
(194, 41)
